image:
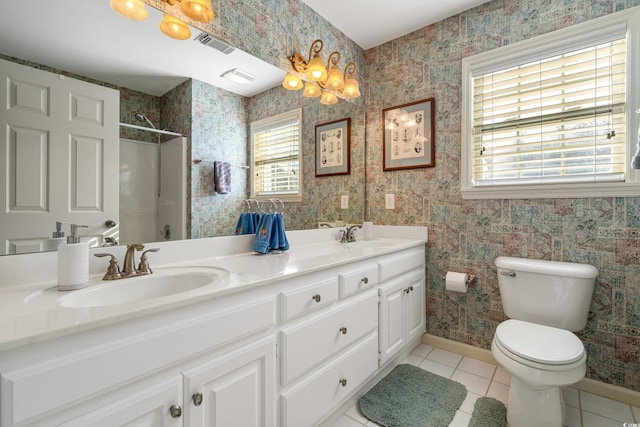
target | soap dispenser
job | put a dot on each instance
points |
(73, 262)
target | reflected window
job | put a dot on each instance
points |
(276, 156)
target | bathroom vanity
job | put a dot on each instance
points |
(274, 340)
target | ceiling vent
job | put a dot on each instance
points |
(214, 43)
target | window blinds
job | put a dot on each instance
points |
(559, 119)
(277, 156)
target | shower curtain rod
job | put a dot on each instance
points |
(164, 132)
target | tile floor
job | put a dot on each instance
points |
(484, 379)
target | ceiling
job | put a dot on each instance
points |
(371, 23)
(78, 36)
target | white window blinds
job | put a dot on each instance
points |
(276, 155)
(558, 119)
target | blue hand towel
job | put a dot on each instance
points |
(274, 242)
(263, 234)
(240, 224)
(222, 177)
(245, 224)
(284, 243)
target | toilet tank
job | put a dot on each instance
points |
(549, 293)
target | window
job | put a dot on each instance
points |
(550, 116)
(276, 157)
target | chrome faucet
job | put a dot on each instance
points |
(129, 270)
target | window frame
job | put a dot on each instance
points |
(575, 37)
(262, 125)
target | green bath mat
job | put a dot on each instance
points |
(488, 412)
(412, 397)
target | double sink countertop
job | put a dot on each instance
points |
(185, 272)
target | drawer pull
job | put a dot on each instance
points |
(175, 411)
(365, 280)
(343, 330)
(343, 382)
(316, 298)
(197, 399)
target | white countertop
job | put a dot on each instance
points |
(29, 309)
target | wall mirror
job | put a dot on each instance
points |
(191, 99)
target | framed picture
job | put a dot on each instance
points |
(408, 135)
(333, 148)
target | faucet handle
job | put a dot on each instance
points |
(113, 271)
(143, 267)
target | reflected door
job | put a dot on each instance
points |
(58, 157)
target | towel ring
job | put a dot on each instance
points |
(274, 201)
(246, 203)
(269, 206)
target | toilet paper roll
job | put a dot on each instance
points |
(456, 282)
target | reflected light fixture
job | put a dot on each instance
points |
(198, 10)
(319, 76)
(311, 90)
(236, 75)
(132, 9)
(174, 28)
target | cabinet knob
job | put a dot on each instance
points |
(343, 330)
(316, 298)
(406, 290)
(197, 399)
(411, 288)
(365, 280)
(343, 382)
(175, 411)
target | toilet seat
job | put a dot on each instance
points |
(538, 345)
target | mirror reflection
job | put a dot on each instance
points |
(142, 184)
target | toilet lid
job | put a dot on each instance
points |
(539, 343)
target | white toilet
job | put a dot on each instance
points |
(544, 300)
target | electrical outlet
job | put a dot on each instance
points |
(389, 201)
(344, 201)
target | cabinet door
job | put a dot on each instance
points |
(236, 390)
(150, 407)
(415, 304)
(390, 318)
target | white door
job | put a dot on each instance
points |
(59, 155)
(172, 202)
(415, 305)
(391, 318)
(236, 390)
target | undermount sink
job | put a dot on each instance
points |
(162, 283)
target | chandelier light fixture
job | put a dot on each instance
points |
(318, 79)
(198, 10)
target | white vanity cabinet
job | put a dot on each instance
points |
(402, 303)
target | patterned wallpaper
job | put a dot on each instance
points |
(467, 235)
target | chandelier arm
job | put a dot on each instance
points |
(334, 58)
(316, 47)
(349, 70)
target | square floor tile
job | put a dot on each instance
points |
(499, 391)
(445, 357)
(345, 421)
(460, 420)
(477, 367)
(469, 402)
(422, 350)
(473, 383)
(570, 397)
(437, 368)
(573, 417)
(593, 420)
(502, 376)
(605, 407)
(354, 412)
(412, 359)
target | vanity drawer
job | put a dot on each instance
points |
(299, 301)
(395, 265)
(323, 392)
(358, 280)
(308, 344)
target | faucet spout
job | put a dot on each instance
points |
(129, 263)
(350, 234)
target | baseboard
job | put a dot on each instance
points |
(588, 385)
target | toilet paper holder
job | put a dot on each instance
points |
(470, 281)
